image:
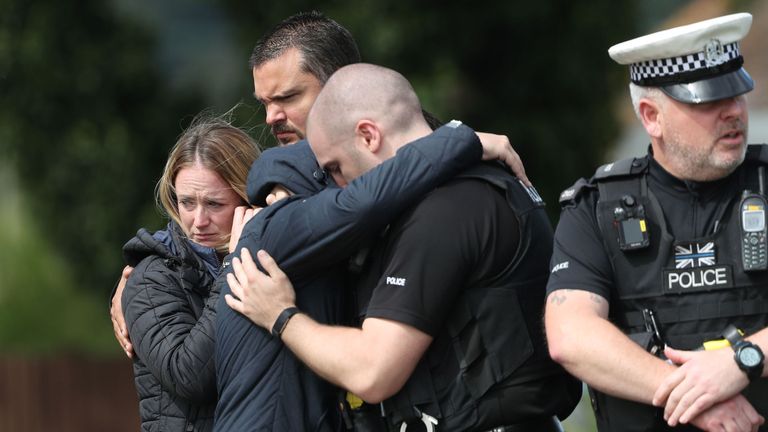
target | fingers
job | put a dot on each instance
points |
(250, 212)
(701, 404)
(127, 270)
(116, 314)
(239, 276)
(690, 407)
(666, 387)
(121, 333)
(239, 211)
(745, 418)
(677, 356)
(128, 346)
(269, 264)
(681, 397)
(751, 414)
(249, 265)
(234, 285)
(271, 199)
(516, 164)
(234, 304)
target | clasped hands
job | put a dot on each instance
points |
(705, 391)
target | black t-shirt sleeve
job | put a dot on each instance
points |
(579, 260)
(435, 251)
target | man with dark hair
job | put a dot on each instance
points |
(288, 72)
(290, 65)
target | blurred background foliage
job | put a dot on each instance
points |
(93, 97)
(94, 94)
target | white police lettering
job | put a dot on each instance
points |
(395, 281)
(562, 266)
(696, 279)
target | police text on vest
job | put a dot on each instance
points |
(395, 281)
(698, 279)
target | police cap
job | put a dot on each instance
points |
(695, 63)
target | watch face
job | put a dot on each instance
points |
(749, 357)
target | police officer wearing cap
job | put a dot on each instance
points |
(658, 293)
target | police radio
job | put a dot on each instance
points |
(754, 250)
(629, 219)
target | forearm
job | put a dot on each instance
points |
(597, 352)
(609, 361)
(347, 357)
(332, 224)
(374, 361)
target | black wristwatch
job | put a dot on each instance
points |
(747, 355)
(282, 320)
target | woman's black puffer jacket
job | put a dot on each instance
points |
(170, 313)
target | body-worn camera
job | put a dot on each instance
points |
(629, 220)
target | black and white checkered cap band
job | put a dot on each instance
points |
(646, 72)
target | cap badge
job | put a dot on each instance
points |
(714, 54)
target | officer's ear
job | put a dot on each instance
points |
(649, 111)
(368, 134)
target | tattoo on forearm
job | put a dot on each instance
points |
(559, 297)
(596, 298)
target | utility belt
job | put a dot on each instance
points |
(363, 417)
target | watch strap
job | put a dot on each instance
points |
(733, 335)
(736, 339)
(755, 372)
(282, 320)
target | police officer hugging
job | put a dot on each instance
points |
(688, 258)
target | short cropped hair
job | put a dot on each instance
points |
(325, 45)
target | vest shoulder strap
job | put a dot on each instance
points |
(499, 176)
(623, 171)
(615, 169)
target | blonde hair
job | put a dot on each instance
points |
(216, 145)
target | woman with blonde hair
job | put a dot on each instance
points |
(169, 301)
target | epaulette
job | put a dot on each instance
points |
(569, 195)
(620, 168)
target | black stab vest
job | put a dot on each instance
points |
(497, 342)
(693, 293)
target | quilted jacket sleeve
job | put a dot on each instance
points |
(314, 232)
(174, 345)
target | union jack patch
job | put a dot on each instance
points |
(690, 255)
